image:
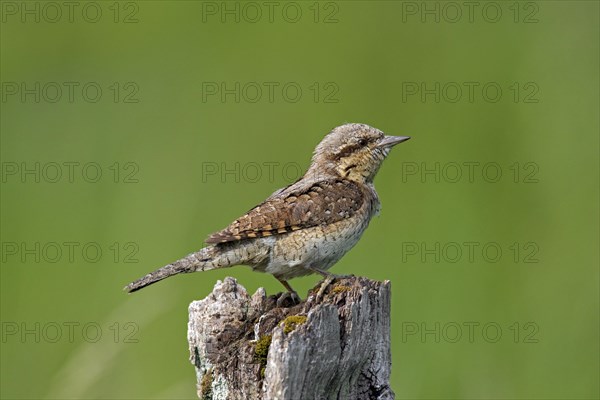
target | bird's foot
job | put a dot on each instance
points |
(328, 275)
(336, 276)
(329, 279)
(288, 299)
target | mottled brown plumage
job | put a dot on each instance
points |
(321, 203)
(309, 225)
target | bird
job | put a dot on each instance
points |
(306, 227)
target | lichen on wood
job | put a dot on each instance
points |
(334, 346)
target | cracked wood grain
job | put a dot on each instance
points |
(258, 347)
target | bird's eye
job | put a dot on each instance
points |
(362, 141)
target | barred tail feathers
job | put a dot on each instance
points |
(203, 260)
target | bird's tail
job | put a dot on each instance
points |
(203, 260)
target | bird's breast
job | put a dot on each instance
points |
(320, 246)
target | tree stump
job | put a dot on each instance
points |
(333, 346)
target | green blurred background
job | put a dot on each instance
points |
(159, 130)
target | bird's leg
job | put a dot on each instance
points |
(326, 282)
(327, 274)
(295, 298)
(287, 286)
(328, 279)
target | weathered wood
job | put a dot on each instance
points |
(336, 346)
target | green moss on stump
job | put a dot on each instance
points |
(261, 350)
(206, 385)
(292, 322)
(340, 289)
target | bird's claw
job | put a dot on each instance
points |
(288, 299)
(326, 282)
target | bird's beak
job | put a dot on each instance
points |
(389, 141)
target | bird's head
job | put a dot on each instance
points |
(353, 151)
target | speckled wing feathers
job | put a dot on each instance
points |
(321, 203)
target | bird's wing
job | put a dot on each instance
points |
(321, 203)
